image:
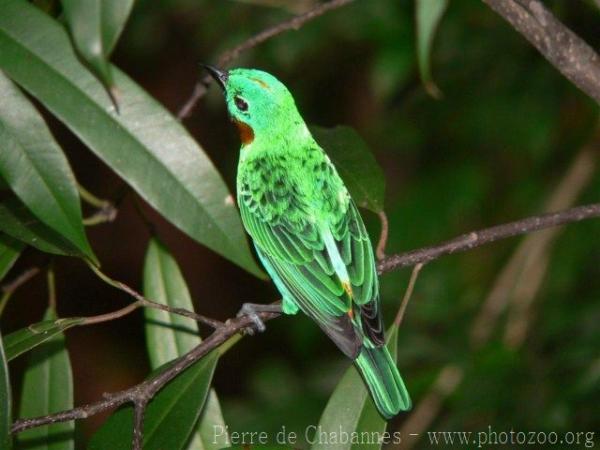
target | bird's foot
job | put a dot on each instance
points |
(251, 310)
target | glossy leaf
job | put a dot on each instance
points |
(96, 26)
(351, 409)
(10, 249)
(428, 16)
(170, 417)
(48, 388)
(5, 401)
(144, 143)
(25, 339)
(36, 169)
(355, 163)
(169, 336)
(17, 222)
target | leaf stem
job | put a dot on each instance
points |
(51, 280)
(9, 288)
(106, 211)
(408, 294)
(213, 323)
(383, 236)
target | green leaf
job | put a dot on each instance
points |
(19, 223)
(48, 388)
(5, 402)
(170, 417)
(169, 336)
(25, 339)
(96, 26)
(428, 14)
(355, 163)
(144, 144)
(10, 249)
(36, 169)
(350, 408)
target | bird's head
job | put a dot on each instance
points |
(258, 103)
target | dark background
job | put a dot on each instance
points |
(493, 149)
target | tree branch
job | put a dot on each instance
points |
(566, 51)
(478, 238)
(148, 388)
(295, 23)
(143, 392)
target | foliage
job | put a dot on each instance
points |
(491, 150)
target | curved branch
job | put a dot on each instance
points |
(566, 51)
(143, 392)
(478, 238)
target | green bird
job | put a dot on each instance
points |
(307, 231)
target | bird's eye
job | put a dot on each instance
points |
(241, 104)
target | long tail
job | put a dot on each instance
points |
(383, 380)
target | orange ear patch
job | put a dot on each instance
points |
(246, 132)
(261, 83)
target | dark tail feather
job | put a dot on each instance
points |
(383, 380)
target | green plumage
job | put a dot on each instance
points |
(307, 230)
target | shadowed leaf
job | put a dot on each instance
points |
(10, 249)
(96, 26)
(170, 417)
(5, 401)
(48, 388)
(36, 169)
(355, 163)
(169, 336)
(17, 222)
(25, 339)
(428, 16)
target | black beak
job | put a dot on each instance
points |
(220, 76)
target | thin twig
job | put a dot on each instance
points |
(91, 320)
(232, 327)
(478, 238)
(295, 23)
(566, 51)
(383, 235)
(51, 280)
(11, 287)
(408, 294)
(152, 304)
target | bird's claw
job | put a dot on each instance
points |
(249, 311)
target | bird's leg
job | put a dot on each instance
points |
(252, 309)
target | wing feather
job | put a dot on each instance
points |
(327, 268)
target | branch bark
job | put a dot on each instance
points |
(474, 239)
(566, 51)
(142, 393)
